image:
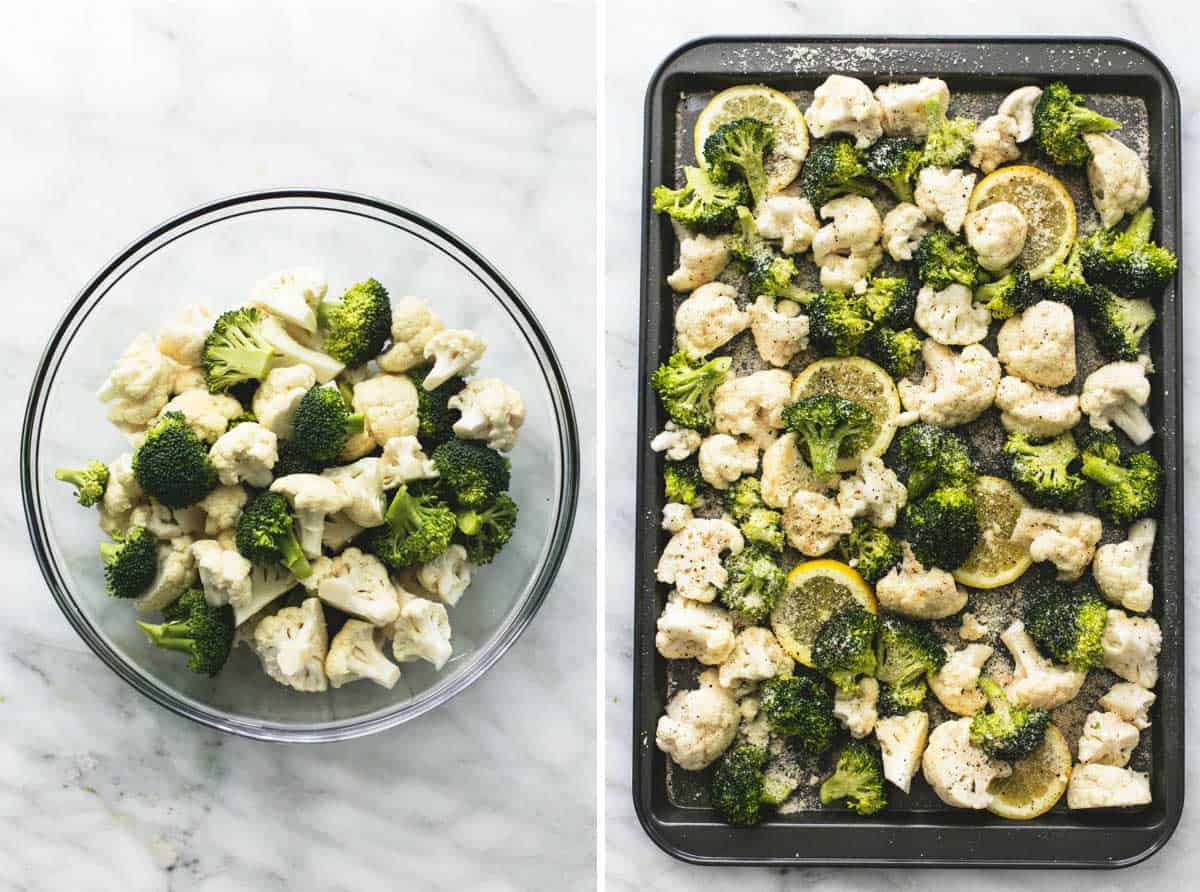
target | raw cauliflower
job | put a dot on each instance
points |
(709, 318)
(355, 654)
(959, 772)
(246, 454)
(1037, 411)
(780, 330)
(388, 404)
(1039, 344)
(723, 459)
(956, 389)
(997, 234)
(1131, 646)
(139, 384)
(1036, 680)
(421, 631)
(1131, 702)
(1122, 570)
(454, 352)
(277, 397)
(176, 573)
(413, 324)
(903, 228)
(845, 105)
(313, 498)
(292, 295)
(785, 470)
(903, 106)
(1119, 180)
(207, 414)
(677, 442)
(849, 273)
(854, 228)
(756, 656)
(362, 486)
(994, 142)
(358, 584)
(698, 725)
(942, 194)
(675, 517)
(222, 507)
(1116, 394)
(403, 461)
(690, 630)
(121, 495)
(913, 591)
(701, 259)
(788, 219)
(972, 629)
(1107, 739)
(902, 740)
(956, 684)
(448, 575)
(293, 644)
(752, 405)
(1019, 105)
(875, 493)
(1106, 786)
(814, 523)
(491, 411)
(951, 316)
(856, 711)
(692, 560)
(1067, 540)
(183, 337)
(224, 574)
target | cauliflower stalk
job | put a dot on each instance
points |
(313, 498)
(875, 493)
(942, 195)
(1122, 569)
(1131, 645)
(903, 228)
(701, 259)
(756, 656)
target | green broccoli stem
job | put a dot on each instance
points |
(250, 361)
(1102, 471)
(171, 636)
(355, 423)
(822, 456)
(995, 697)
(404, 512)
(74, 476)
(109, 551)
(326, 311)
(1091, 121)
(1139, 228)
(294, 558)
(470, 523)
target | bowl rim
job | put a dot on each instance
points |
(505, 635)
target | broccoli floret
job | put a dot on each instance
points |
(896, 351)
(1065, 282)
(323, 423)
(742, 497)
(1042, 471)
(701, 203)
(901, 699)
(195, 628)
(1127, 261)
(419, 527)
(90, 481)
(435, 419)
(243, 417)
(243, 346)
(800, 707)
(907, 651)
(737, 785)
(1068, 623)
(1118, 323)
(837, 323)
(1132, 489)
(1060, 119)
(293, 461)
(772, 275)
(472, 474)
(778, 784)
(1009, 295)
(942, 528)
(755, 582)
(934, 457)
(949, 140)
(736, 149)
(172, 464)
(834, 167)
(944, 259)
(130, 562)
(358, 326)
(825, 423)
(485, 531)
(1007, 731)
(682, 480)
(844, 647)
(871, 551)
(894, 161)
(758, 523)
(890, 301)
(686, 388)
(857, 780)
(266, 535)
(747, 246)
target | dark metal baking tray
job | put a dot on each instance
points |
(909, 833)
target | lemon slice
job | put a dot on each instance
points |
(1037, 781)
(861, 380)
(815, 591)
(1047, 207)
(995, 560)
(756, 101)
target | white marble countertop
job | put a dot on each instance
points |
(121, 114)
(639, 36)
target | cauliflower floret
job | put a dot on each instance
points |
(956, 684)
(677, 442)
(421, 631)
(1039, 344)
(358, 584)
(754, 729)
(708, 319)
(780, 330)
(1119, 180)
(701, 259)
(1035, 411)
(1019, 105)
(787, 218)
(139, 384)
(845, 105)
(814, 523)
(1067, 540)
(292, 295)
(1130, 702)
(339, 532)
(491, 410)
(689, 630)
(675, 517)
(1107, 740)
(943, 195)
(1122, 570)
(312, 497)
(994, 142)
(413, 324)
(222, 507)
(448, 575)
(183, 337)
(1131, 645)
(958, 771)
(785, 470)
(856, 711)
(1116, 394)
(362, 485)
(756, 656)
(752, 405)
(972, 629)
(902, 740)
(951, 316)
(121, 495)
(723, 459)
(166, 523)
(1037, 681)
(355, 654)
(186, 379)
(903, 106)
(698, 725)
(207, 414)
(277, 397)
(913, 591)
(997, 234)
(176, 573)
(903, 228)
(855, 228)
(224, 574)
(875, 492)
(293, 644)
(1106, 786)
(455, 352)
(388, 404)
(245, 454)
(850, 273)
(692, 559)
(403, 461)
(956, 389)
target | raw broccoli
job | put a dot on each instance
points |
(419, 527)
(742, 497)
(737, 785)
(772, 275)
(358, 326)
(800, 707)
(736, 149)
(244, 344)
(1042, 471)
(901, 699)
(1127, 261)
(681, 481)
(949, 140)
(758, 523)
(844, 647)
(837, 323)
(130, 562)
(293, 461)
(1065, 282)
(894, 161)
(834, 167)
(90, 481)
(907, 651)
(1132, 489)
(825, 423)
(1118, 323)
(1007, 731)
(266, 535)
(942, 528)
(755, 582)
(890, 301)
(195, 628)
(244, 417)
(1009, 295)
(323, 423)
(485, 531)
(1067, 622)
(686, 388)
(857, 780)
(435, 419)
(747, 246)
(701, 203)
(896, 351)
(1060, 119)
(871, 551)
(172, 464)
(934, 457)
(472, 474)
(944, 259)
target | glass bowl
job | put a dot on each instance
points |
(214, 254)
